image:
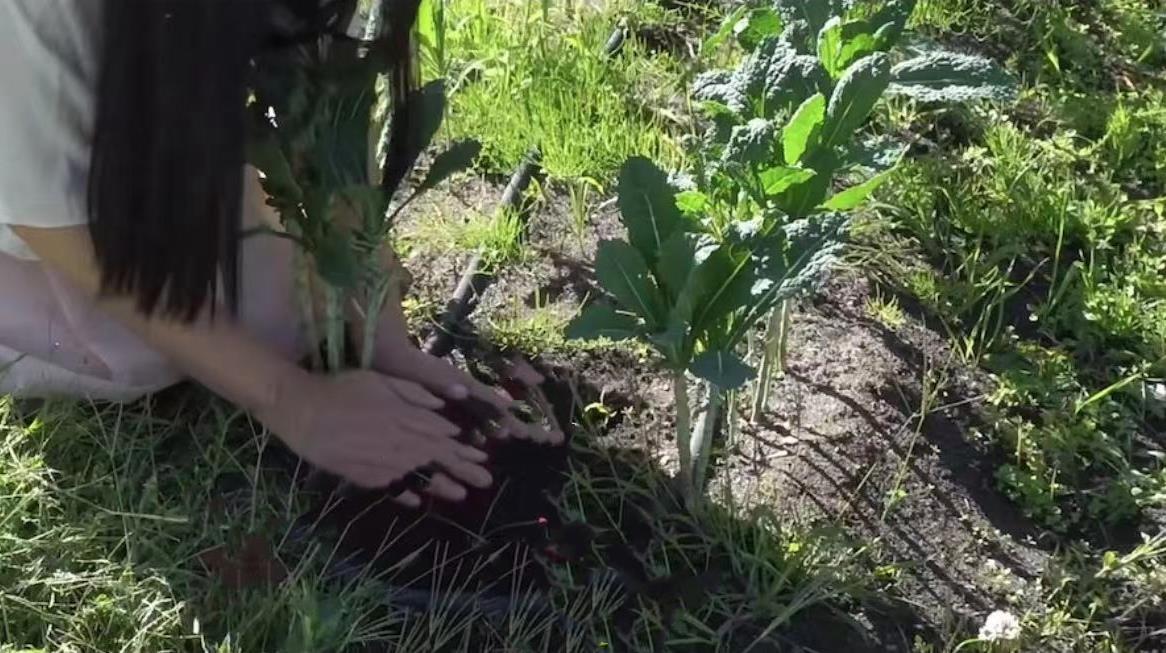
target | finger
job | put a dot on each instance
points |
(533, 432)
(427, 423)
(471, 454)
(466, 472)
(408, 499)
(415, 394)
(444, 487)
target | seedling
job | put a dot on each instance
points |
(312, 138)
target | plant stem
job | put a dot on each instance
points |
(683, 431)
(376, 303)
(731, 416)
(334, 327)
(702, 443)
(304, 281)
(783, 337)
(761, 389)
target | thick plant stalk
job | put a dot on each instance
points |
(773, 360)
(702, 441)
(303, 266)
(334, 327)
(683, 431)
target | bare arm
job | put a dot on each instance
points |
(369, 428)
(218, 353)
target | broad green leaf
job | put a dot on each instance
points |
(680, 259)
(830, 45)
(622, 272)
(855, 195)
(776, 181)
(723, 369)
(677, 258)
(952, 77)
(647, 204)
(458, 157)
(692, 202)
(756, 26)
(602, 321)
(800, 200)
(721, 284)
(336, 260)
(804, 128)
(855, 96)
(428, 108)
(265, 154)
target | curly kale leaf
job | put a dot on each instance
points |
(749, 144)
(773, 79)
(952, 77)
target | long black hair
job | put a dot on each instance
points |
(166, 178)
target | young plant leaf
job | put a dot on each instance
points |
(842, 43)
(647, 204)
(622, 272)
(776, 181)
(460, 156)
(602, 321)
(804, 128)
(952, 77)
(756, 26)
(857, 194)
(723, 369)
(692, 202)
(800, 199)
(855, 96)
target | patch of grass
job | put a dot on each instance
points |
(1042, 238)
(498, 237)
(528, 76)
(109, 518)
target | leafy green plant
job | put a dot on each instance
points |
(312, 138)
(785, 121)
(760, 219)
(692, 289)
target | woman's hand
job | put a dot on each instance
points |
(399, 358)
(374, 431)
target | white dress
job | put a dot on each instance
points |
(53, 340)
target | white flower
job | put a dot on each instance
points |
(1000, 626)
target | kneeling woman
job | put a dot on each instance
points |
(123, 194)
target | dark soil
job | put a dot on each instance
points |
(870, 430)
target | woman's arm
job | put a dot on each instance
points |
(218, 353)
(369, 428)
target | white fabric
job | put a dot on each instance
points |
(48, 70)
(53, 340)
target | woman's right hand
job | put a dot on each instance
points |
(374, 430)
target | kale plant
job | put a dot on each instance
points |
(315, 140)
(762, 218)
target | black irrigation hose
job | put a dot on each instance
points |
(475, 280)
